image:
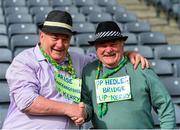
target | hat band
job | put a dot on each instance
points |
(57, 24)
(107, 34)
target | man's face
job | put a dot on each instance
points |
(110, 52)
(55, 45)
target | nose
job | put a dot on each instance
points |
(60, 43)
(108, 49)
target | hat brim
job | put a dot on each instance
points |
(56, 30)
(124, 38)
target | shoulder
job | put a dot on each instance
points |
(91, 66)
(25, 58)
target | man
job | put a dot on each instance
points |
(45, 81)
(116, 95)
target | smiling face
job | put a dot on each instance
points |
(110, 52)
(55, 45)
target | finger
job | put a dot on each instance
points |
(79, 121)
(137, 60)
(143, 63)
(74, 118)
(81, 104)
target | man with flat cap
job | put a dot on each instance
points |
(45, 81)
(116, 95)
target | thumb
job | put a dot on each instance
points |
(81, 104)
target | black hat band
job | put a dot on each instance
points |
(107, 34)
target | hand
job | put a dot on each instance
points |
(77, 113)
(137, 58)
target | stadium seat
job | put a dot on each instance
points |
(125, 17)
(21, 41)
(18, 50)
(11, 3)
(3, 29)
(40, 3)
(16, 10)
(106, 2)
(137, 27)
(4, 93)
(115, 9)
(2, 19)
(177, 112)
(152, 38)
(96, 17)
(3, 112)
(6, 55)
(177, 67)
(146, 51)
(4, 42)
(77, 50)
(3, 67)
(162, 68)
(80, 3)
(168, 52)
(69, 9)
(84, 27)
(173, 86)
(132, 39)
(78, 17)
(15, 29)
(39, 17)
(90, 9)
(82, 39)
(56, 3)
(42, 9)
(18, 18)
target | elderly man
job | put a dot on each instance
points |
(116, 95)
(45, 81)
